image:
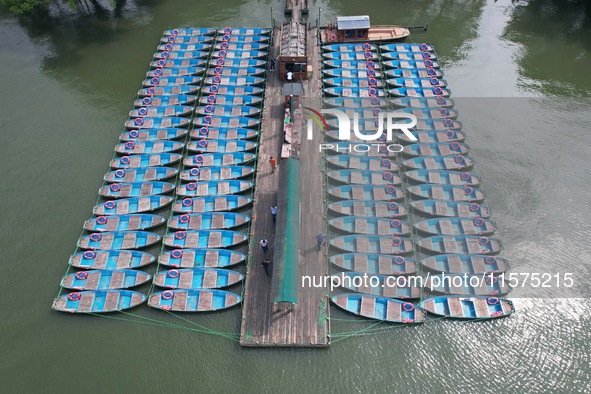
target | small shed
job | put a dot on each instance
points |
(293, 61)
(353, 27)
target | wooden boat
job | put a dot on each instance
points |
(158, 112)
(231, 100)
(197, 278)
(348, 64)
(414, 56)
(410, 64)
(349, 47)
(447, 193)
(454, 163)
(199, 300)
(474, 264)
(98, 301)
(177, 63)
(141, 161)
(422, 102)
(235, 80)
(438, 124)
(221, 146)
(444, 149)
(416, 82)
(219, 159)
(129, 222)
(204, 239)
(189, 258)
(228, 110)
(466, 285)
(135, 189)
(237, 71)
(456, 226)
(347, 56)
(464, 244)
(190, 32)
(442, 177)
(156, 123)
(168, 90)
(140, 174)
(111, 259)
(242, 63)
(207, 221)
(152, 134)
(211, 204)
(241, 46)
(413, 73)
(181, 55)
(186, 39)
(355, 102)
(366, 163)
(359, 177)
(433, 137)
(373, 263)
(224, 133)
(148, 147)
(213, 188)
(431, 113)
(360, 148)
(420, 92)
(232, 90)
(244, 31)
(366, 192)
(458, 307)
(192, 47)
(397, 47)
(443, 208)
(370, 226)
(172, 81)
(131, 205)
(104, 279)
(352, 92)
(351, 73)
(117, 240)
(249, 38)
(239, 55)
(380, 209)
(175, 72)
(382, 286)
(226, 122)
(216, 173)
(379, 308)
(165, 101)
(352, 82)
(381, 244)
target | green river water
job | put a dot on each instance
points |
(519, 72)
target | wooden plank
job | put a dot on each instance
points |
(455, 307)
(205, 302)
(179, 302)
(111, 300)
(360, 263)
(117, 279)
(367, 306)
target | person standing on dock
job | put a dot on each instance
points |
(264, 245)
(320, 239)
(271, 64)
(273, 163)
(266, 263)
(274, 213)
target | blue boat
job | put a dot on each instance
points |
(224, 133)
(381, 244)
(212, 146)
(449, 209)
(128, 222)
(165, 101)
(359, 177)
(241, 63)
(411, 64)
(198, 300)
(433, 137)
(422, 102)
(216, 173)
(186, 39)
(466, 285)
(197, 278)
(349, 64)
(208, 221)
(225, 121)
(189, 258)
(131, 205)
(353, 92)
(360, 148)
(239, 55)
(349, 47)
(447, 193)
(104, 279)
(228, 110)
(420, 92)
(370, 226)
(181, 55)
(463, 244)
(175, 72)
(348, 56)
(140, 161)
(135, 189)
(475, 308)
(243, 31)
(438, 124)
(241, 46)
(204, 239)
(382, 285)
(99, 301)
(177, 63)
(213, 188)
(431, 113)
(117, 240)
(416, 82)
(172, 81)
(380, 264)
(232, 91)
(194, 31)
(231, 100)
(454, 163)
(379, 308)
(370, 208)
(445, 149)
(168, 90)
(415, 56)
(355, 162)
(148, 147)
(456, 226)
(355, 102)
(443, 177)
(140, 174)
(157, 123)
(366, 192)
(219, 159)
(227, 71)
(423, 73)
(351, 73)
(424, 47)
(211, 204)
(195, 46)
(474, 264)
(111, 259)
(235, 80)
(353, 82)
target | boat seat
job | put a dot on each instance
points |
(220, 204)
(384, 227)
(381, 211)
(185, 280)
(341, 301)
(450, 246)
(195, 223)
(455, 307)
(446, 227)
(437, 193)
(134, 222)
(464, 211)
(146, 189)
(377, 179)
(360, 226)
(441, 209)
(217, 221)
(362, 245)
(379, 193)
(459, 194)
(225, 173)
(430, 163)
(210, 279)
(117, 279)
(473, 246)
(386, 245)
(367, 306)
(179, 302)
(111, 301)
(385, 266)
(481, 307)
(128, 241)
(357, 193)
(205, 302)
(454, 263)
(202, 189)
(214, 240)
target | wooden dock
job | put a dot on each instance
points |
(306, 323)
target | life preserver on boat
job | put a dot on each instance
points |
(443, 112)
(110, 204)
(207, 119)
(450, 134)
(386, 163)
(222, 54)
(173, 274)
(390, 189)
(367, 55)
(478, 222)
(95, 237)
(204, 131)
(220, 61)
(366, 46)
(180, 235)
(396, 241)
(81, 275)
(224, 45)
(158, 72)
(372, 82)
(194, 171)
(208, 108)
(381, 137)
(211, 98)
(151, 91)
(125, 160)
(371, 73)
(426, 55)
(115, 187)
(130, 145)
(146, 100)
(167, 295)
(226, 38)
(392, 205)
(383, 149)
(218, 70)
(483, 240)
(431, 72)
(440, 100)
(168, 47)
(74, 296)
(165, 54)
(101, 220)
(161, 62)
(202, 143)
(408, 307)
(376, 111)
(395, 223)
(459, 159)
(490, 280)
(184, 218)
(468, 190)
(373, 92)
(428, 63)
(138, 121)
(492, 300)
(214, 88)
(120, 173)
(399, 260)
(155, 81)
(191, 186)
(370, 65)
(455, 146)
(387, 175)
(217, 79)
(175, 31)
(89, 254)
(490, 260)
(227, 30)
(134, 134)
(423, 47)
(142, 111)
(187, 202)
(198, 159)
(434, 81)
(447, 122)
(374, 101)
(177, 253)
(333, 37)
(438, 91)
(171, 38)
(474, 207)
(465, 176)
